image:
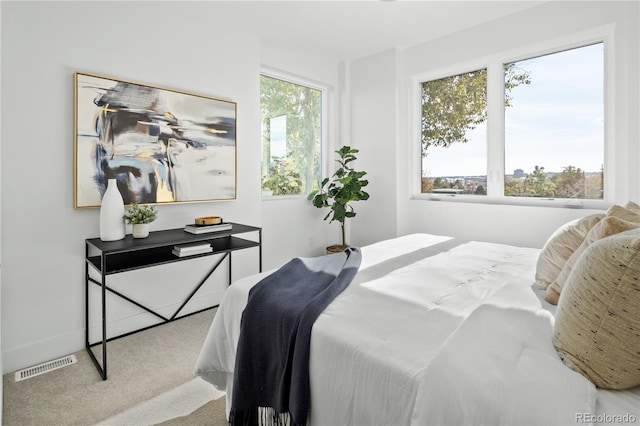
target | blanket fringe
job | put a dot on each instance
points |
(269, 417)
(263, 416)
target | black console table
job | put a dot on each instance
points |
(128, 254)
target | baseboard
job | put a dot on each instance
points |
(42, 351)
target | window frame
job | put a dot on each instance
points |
(496, 119)
(324, 126)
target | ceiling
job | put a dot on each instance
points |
(342, 29)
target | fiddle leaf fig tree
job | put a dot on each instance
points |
(344, 186)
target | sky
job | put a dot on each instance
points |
(278, 141)
(556, 121)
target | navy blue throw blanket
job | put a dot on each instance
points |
(271, 377)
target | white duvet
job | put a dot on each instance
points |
(432, 330)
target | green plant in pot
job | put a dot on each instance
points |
(337, 192)
(140, 216)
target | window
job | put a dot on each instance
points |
(554, 126)
(454, 134)
(291, 136)
(539, 120)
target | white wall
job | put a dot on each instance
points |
(1, 385)
(42, 246)
(527, 226)
(373, 130)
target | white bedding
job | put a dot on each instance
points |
(432, 330)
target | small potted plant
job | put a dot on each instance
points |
(140, 216)
(337, 193)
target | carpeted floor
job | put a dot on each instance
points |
(192, 403)
(141, 366)
(208, 414)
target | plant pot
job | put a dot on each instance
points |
(140, 230)
(337, 248)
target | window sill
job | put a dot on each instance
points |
(283, 197)
(517, 201)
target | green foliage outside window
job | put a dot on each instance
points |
(283, 178)
(296, 171)
(570, 183)
(452, 106)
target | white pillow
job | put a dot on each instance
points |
(560, 246)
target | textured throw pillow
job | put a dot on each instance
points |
(560, 246)
(610, 225)
(597, 326)
(633, 206)
(624, 213)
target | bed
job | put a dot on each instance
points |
(433, 330)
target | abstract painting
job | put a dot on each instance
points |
(161, 145)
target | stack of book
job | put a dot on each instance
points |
(191, 249)
(203, 229)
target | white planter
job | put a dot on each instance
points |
(140, 230)
(111, 212)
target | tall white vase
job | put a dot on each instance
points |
(111, 212)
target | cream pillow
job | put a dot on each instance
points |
(624, 213)
(560, 246)
(633, 206)
(606, 227)
(597, 326)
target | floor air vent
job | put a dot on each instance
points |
(36, 370)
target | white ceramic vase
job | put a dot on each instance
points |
(111, 213)
(140, 230)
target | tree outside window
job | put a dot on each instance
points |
(291, 136)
